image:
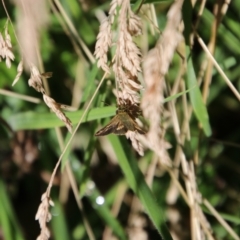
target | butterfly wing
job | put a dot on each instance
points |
(119, 125)
(129, 123)
(115, 126)
(133, 126)
(121, 129)
(139, 130)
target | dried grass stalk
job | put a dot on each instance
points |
(155, 66)
(126, 63)
(32, 18)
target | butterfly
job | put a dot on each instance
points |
(123, 121)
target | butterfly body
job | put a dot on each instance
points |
(123, 121)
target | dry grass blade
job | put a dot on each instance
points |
(155, 67)
(229, 83)
(220, 219)
(32, 19)
(47, 193)
(74, 31)
(19, 96)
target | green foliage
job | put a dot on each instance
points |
(39, 120)
(137, 182)
(103, 167)
(196, 98)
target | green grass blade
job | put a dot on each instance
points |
(58, 223)
(230, 40)
(137, 4)
(36, 120)
(104, 212)
(4, 220)
(90, 87)
(136, 181)
(8, 223)
(227, 217)
(170, 98)
(187, 19)
(198, 105)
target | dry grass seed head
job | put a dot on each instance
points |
(6, 48)
(56, 108)
(133, 136)
(127, 64)
(103, 44)
(127, 57)
(43, 216)
(104, 38)
(128, 53)
(155, 66)
(113, 9)
(128, 86)
(35, 81)
(134, 25)
(19, 72)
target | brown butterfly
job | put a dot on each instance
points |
(123, 121)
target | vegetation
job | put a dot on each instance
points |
(163, 76)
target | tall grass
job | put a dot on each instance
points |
(175, 62)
